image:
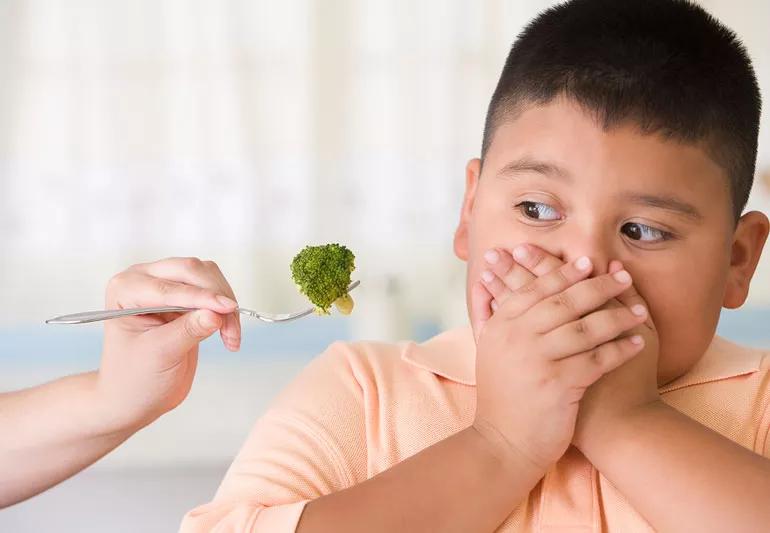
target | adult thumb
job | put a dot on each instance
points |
(188, 330)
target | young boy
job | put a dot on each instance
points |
(590, 392)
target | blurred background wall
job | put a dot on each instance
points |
(239, 131)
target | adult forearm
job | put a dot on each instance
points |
(52, 431)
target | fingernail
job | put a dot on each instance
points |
(638, 310)
(494, 305)
(232, 343)
(520, 253)
(487, 276)
(492, 256)
(583, 263)
(636, 339)
(227, 302)
(622, 276)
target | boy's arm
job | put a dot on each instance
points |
(458, 484)
(305, 466)
(310, 450)
(50, 432)
(679, 474)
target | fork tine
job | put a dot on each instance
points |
(285, 317)
(291, 316)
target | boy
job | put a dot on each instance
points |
(589, 393)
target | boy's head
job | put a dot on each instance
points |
(626, 130)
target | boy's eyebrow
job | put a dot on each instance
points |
(526, 164)
(669, 203)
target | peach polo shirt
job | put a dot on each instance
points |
(362, 407)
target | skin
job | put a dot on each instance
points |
(506, 451)
(559, 337)
(623, 427)
(53, 431)
(561, 344)
(708, 264)
(637, 441)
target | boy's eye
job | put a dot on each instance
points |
(641, 232)
(538, 211)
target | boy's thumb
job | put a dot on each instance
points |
(480, 308)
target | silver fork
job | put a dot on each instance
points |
(96, 316)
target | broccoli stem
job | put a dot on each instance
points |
(344, 304)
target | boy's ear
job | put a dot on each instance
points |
(749, 239)
(472, 174)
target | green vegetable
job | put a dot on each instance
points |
(322, 273)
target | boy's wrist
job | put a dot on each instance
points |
(496, 449)
(602, 434)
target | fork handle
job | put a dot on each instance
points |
(96, 316)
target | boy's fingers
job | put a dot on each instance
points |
(495, 286)
(630, 297)
(546, 286)
(535, 259)
(578, 300)
(584, 369)
(504, 275)
(481, 311)
(592, 330)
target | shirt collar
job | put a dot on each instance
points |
(723, 360)
(452, 355)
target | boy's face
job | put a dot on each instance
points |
(554, 178)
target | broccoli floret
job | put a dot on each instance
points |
(322, 273)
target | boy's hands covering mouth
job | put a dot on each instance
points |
(546, 342)
(629, 382)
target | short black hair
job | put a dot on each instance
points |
(666, 66)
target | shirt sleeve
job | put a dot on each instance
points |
(763, 432)
(309, 443)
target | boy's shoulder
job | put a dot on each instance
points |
(450, 355)
(724, 360)
(728, 390)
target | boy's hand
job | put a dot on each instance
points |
(626, 388)
(148, 362)
(536, 355)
